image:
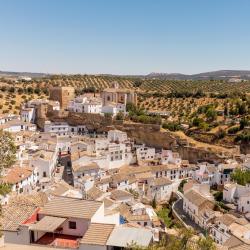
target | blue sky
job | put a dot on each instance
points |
(124, 36)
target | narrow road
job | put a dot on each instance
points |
(67, 176)
(178, 208)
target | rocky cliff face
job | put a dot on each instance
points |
(153, 136)
(149, 134)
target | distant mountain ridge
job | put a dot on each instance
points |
(216, 75)
(213, 75)
(18, 74)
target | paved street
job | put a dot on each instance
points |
(65, 160)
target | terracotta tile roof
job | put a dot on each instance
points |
(241, 247)
(94, 193)
(76, 155)
(87, 167)
(97, 234)
(124, 210)
(44, 154)
(17, 174)
(15, 122)
(108, 202)
(104, 180)
(134, 169)
(38, 199)
(132, 179)
(226, 219)
(47, 224)
(71, 208)
(14, 215)
(233, 242)
(20, 209)
(119, 177)
(118, 194)
(162, 181)
(196, 198)
(59, 188)
(164, 167)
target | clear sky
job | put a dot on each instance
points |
(124, 36)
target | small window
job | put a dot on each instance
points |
(72, 224)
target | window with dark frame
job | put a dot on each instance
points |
(72, 224)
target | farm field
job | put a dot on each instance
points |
(17, 92)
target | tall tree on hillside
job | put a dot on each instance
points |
(7, 150)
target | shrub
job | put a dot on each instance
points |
(37, 91)
(220, 134)
(244, 137)
(172, 126)
(197, 121)
(233, 130)
(20, 91)
(11, 90)
(218, 196)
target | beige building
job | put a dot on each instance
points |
(117, 95)
(63, 95)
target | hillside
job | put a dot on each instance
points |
(164, 90)
(100, 82)
(216, 75)
(18, 74)
(213, 75)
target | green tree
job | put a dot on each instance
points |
(164, 214)
(206, 244)
(120, 116)
(5, 189)
(211, 114)
(180, 188)
(242, 177)
(137, 83)
(197, 121)
(243, 123)
(7, 150)
(130, 107)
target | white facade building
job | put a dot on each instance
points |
(86, 104)
(145, 153)
(28, 114)
(44, 162)
(21, 179)
(17, 125)
(117, 136)
(59, 128)
(114, 109)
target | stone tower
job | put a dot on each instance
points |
(62, 95)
